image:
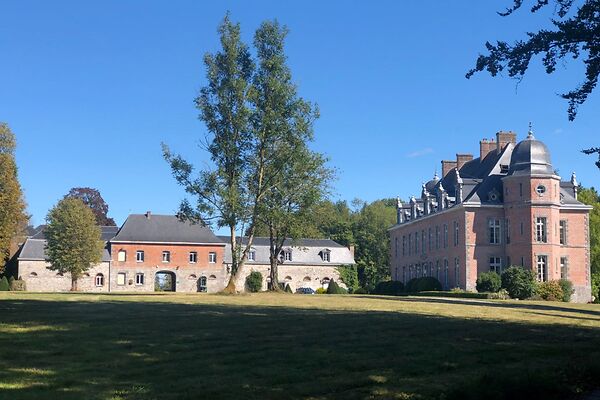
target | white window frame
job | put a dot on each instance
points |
(445, 236)
(122, 256)
(541, 229)
(193, 257)
(326, 256)
(119, 276)
(564, 267)
(456, 233)
(563, 228)
(252, 255)
(139, 279)
(166, 256)
(212, 257)
(496, 264)
(542, 268)
(495, 231)
(139, 256)
(99, 280)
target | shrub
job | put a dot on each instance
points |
(551, 291)
(4, 284)
(320, 291)
(361, 290)
(391, 288)
(488, 282)
(17, 285)
(454, 294)
(567, 288)
(349, 275)
(423, 284)
(502, 294)
(334, 288)
(519, 282)
(254, 281)
(287, 288)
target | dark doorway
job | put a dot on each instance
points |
(164, 281)
(202, 284)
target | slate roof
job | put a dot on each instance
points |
(108, 232)
(35, 249)
(164, 229)
(304, 252)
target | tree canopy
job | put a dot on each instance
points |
(13, 218)
(591, 197)
(74, 242)
(93, 199)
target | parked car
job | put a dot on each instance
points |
(305, 290)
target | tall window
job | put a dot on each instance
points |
(409, 243)
(121, 278)
(542, 268)
(139, 256)
(522, 230)
(252, 255)
(396, 247)
(430, 268)
(494, 231)
(455, 233)
(99, 280)
(507, 227)
(563, 231)
(416, 242)
(423, 242)
(429, 241)
(122, 256)
(193, 257)
(456, 273)
(202, 284)
(540, 230)
(212, 257)
(445, 274)
(521, 189)
(564, 268)
(404, 274)
(437, 270)
(445, 235)
(403, 245)
(166, 256)
(139, 279)
(496, 264)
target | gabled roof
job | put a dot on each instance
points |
(35, 249)
(164, 229)
(107, 232)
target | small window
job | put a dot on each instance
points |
(540, 190)
(326, 255)
(122, 256)
(139, 256)
(286, 255)
(121, 278)
(139, 279)
(193, 257)
(212, 277)
(307, 279)
(496, 264)
(192, 277)
(212, 257)
(166, 256)
(252, 255)
(99, 280)
(33, 275)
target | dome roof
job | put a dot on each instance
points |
(530, 156)
(430, 186)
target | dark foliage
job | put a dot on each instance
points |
(519, 282)
(288, 289)
(574, 35)
(390, 288)
(254, 281)
(423, 284)
(488, 282)
(334, 288)
(4, 287)
(567, 289)
(92, 198)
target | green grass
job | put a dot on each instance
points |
(268, 346)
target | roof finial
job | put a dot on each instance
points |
(530, 133)
(435, 175)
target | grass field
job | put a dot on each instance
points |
(268, 346)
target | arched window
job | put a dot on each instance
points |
(99, 280)
(212, 277)
(59, 274)
(33, 275)
(288, 278)
(192, 277)
(307, 279)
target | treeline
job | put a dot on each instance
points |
(591, 197)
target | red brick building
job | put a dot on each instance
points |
(506, 207)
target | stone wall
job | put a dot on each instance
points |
(38, 278)
(296, 276)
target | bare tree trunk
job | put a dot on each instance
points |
(74, 283)
(273, 257)
(230, 288)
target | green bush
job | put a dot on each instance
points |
(17, 285)
(551, 291)
(361, 290)
(567, 288)
(458, 294)
(287, 288)
(4, 287)
(502, 294)
(320, 291)
(423, 284)
(488, 282)
(334, 288)
(519, 282)
(390, 288)
(349, 275)
(254, 281)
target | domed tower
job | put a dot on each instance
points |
(532, 203)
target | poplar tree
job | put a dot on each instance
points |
(74, 241)
(12, 205)
(294, 178)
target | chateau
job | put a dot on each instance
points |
(506, 207)
(160, 249)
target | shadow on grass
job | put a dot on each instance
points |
(155, 350)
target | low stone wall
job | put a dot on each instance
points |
(38, 278)
(296, 276)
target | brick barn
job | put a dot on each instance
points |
(506, 207)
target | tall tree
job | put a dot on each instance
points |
(93, 199)
(222, 193)
(12, 205)
(74, 242)
(576, 32)
(294, 178)
(591, 197)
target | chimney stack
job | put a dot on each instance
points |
(485, 147)
(148, 214)
(504, 138)
(447, 166)
(462, 159)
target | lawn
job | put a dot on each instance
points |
(268, 346)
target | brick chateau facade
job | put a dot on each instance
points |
(506, 207)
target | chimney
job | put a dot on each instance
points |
(148, 214)
(447, 166)
(504, 138)
(462, 159)
(485, 147)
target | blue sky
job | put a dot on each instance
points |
(91, 89)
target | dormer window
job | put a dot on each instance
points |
(285, 255)
(503, 168)
(326, 255)
(252, 255)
